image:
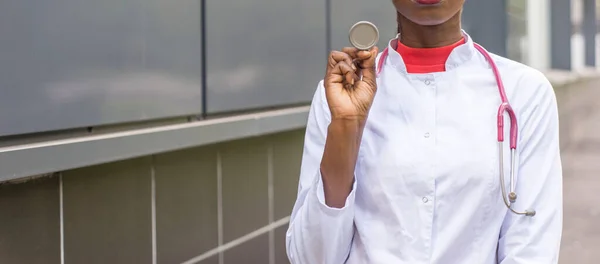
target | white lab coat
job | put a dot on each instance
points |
(426, 182)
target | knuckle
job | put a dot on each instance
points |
(332, 55)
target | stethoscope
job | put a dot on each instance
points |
(511, 198)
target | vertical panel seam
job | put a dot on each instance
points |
(203, 63)
(61, 218)
(328, 25)
(153, 209)
(271, 194)
(143, 33)
(220, 205)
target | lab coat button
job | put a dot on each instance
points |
(425, 200)
(428, 82)
(426, 135)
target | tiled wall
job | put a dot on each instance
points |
(228, 201)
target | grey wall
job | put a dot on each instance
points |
(263, 53)
(486, 22)
(178, 206)
(560, 35)
(590, 31)
(68, 64)
(78, 63)
(29, 222)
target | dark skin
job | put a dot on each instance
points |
(350, 99)
(429, 26)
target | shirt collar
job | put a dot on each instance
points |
(458, 56)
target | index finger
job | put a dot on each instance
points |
(352, 51)
(337, 56)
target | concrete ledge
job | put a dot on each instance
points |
(560, 78)
(51, 156)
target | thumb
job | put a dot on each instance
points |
(367, 66)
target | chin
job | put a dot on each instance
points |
(432, 14)
(428, 20)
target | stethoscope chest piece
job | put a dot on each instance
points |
(364, 35)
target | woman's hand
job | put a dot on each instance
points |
(349, 100)
(349, 97)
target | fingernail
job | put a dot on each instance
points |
(353, 66)
(352, 81)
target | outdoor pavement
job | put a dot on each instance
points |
(581, 174)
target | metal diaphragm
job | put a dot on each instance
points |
(364, 35)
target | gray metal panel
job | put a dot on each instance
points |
(186, 204)
(77, 63)
(252, 251)
(280, 247)
(287, 150)
(244, 173)
(263, 53)
(107, 213)
(486, 22)
(560, 34)
(344, 13)
(589, 31)
(59, 155)
(30, 222)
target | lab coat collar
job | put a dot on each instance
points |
(458, 56)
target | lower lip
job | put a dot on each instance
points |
(428, 2)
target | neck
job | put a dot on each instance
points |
(420, 36)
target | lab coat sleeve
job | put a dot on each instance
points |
(536, 240)
(318, 233)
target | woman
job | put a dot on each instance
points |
(402, 166)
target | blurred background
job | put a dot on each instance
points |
(158, 131)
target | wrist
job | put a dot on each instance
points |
(341, 151)
(347, 126)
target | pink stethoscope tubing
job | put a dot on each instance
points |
(504, 108)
